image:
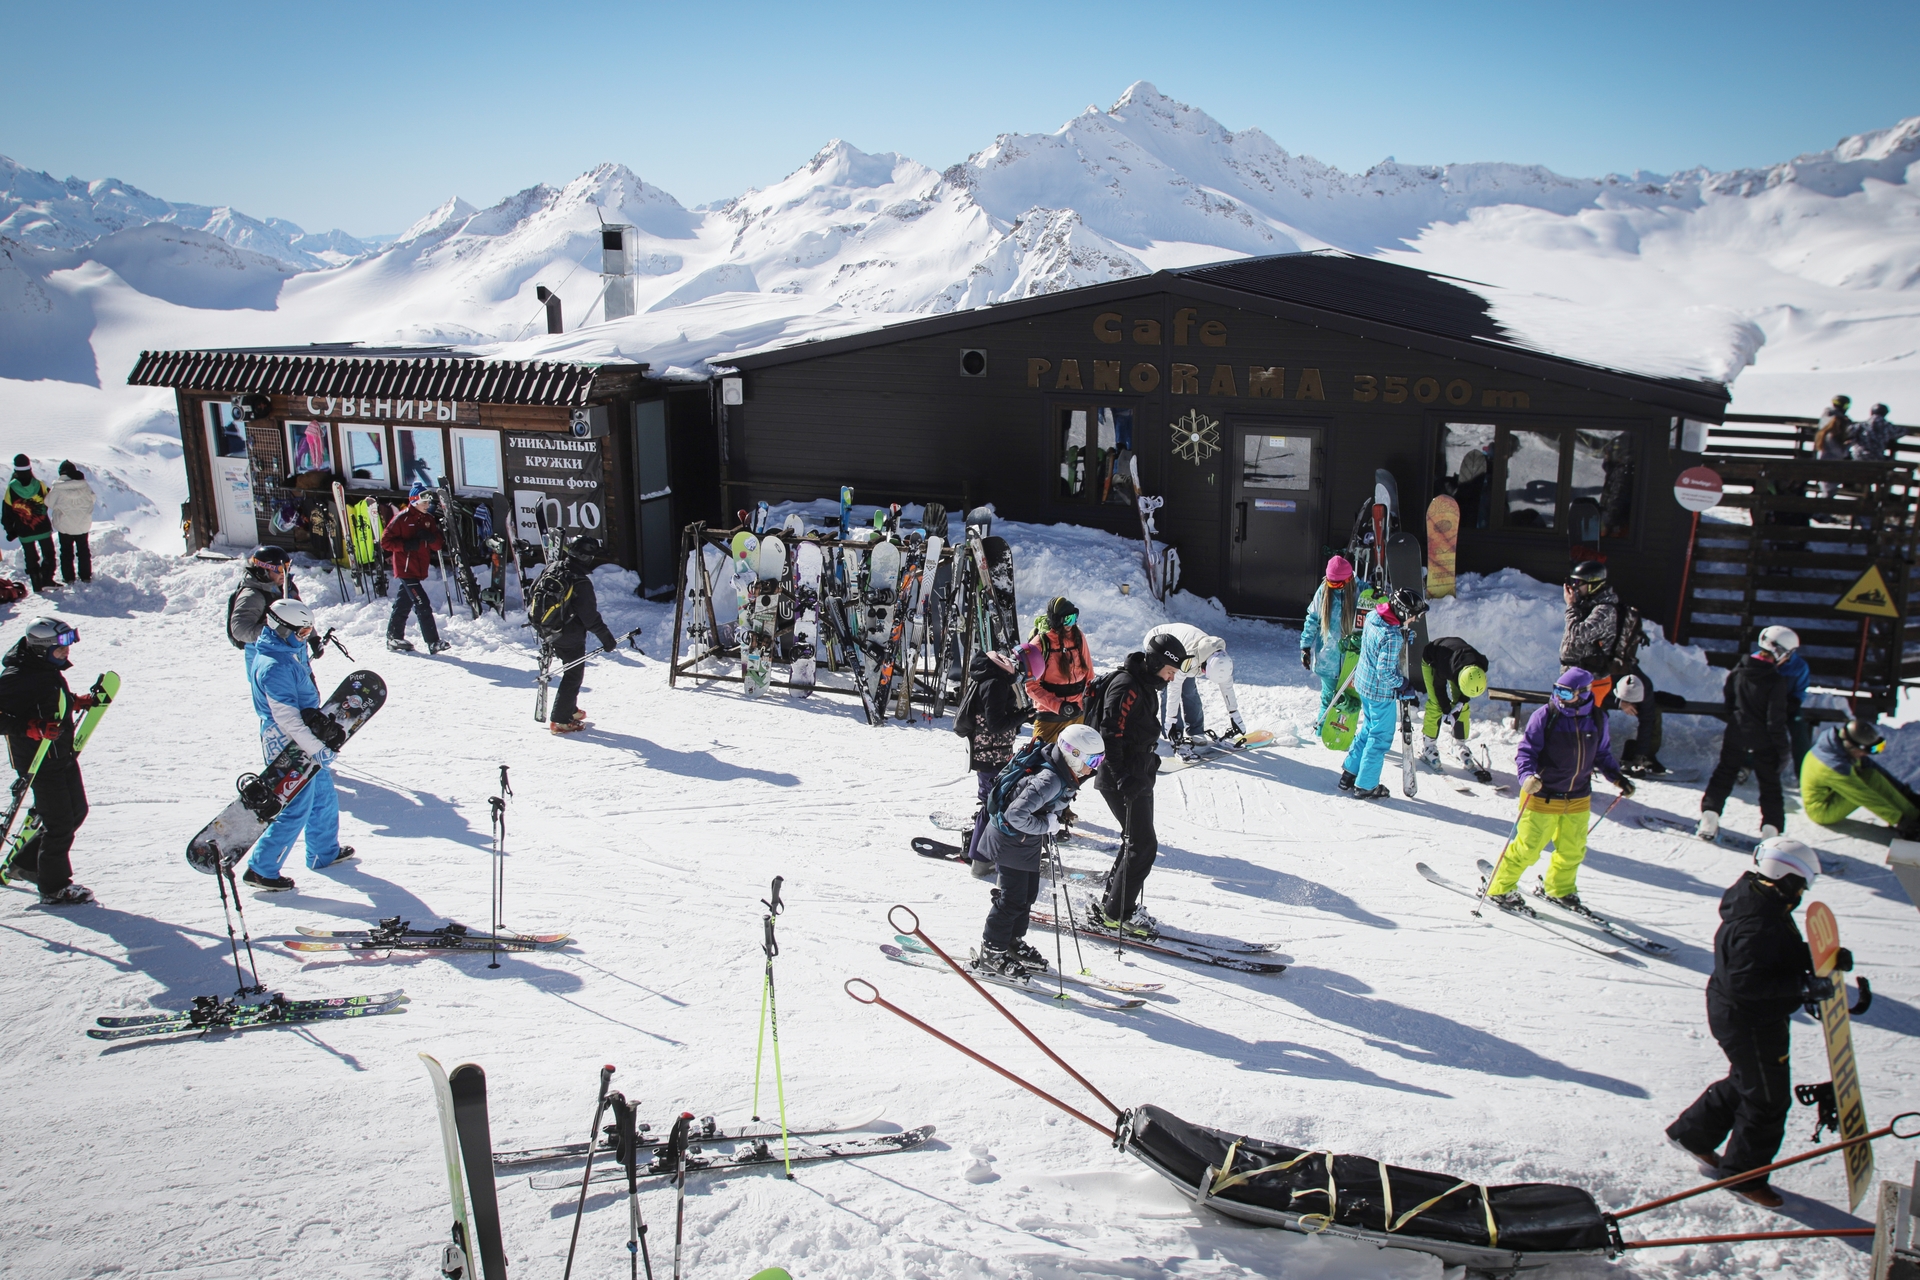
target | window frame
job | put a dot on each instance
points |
(1057, 445)
(345, 470)
(333, 444)
(1563, 477)
(401, 483)
(456, 465)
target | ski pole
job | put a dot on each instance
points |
(498, 805)
(627, 1142)
(1073, 926)
(1525, 796)
(226, 876)
(593, 1138)
(1608, 812)
(1059, 954)
(677, 1145)
(770, 1017)
(334, 640)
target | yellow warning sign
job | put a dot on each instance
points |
(1869, 595)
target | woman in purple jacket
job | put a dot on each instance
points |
(1565, 741)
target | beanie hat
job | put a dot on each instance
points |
(1058, 611)
(70, 471)
(1339, 569)
(418, 490)
(21, 462)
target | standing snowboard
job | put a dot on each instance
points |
(1823, 939)
(1343, 713)
(1443, 544)
(808, 565)
(226, 840)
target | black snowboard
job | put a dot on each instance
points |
(929, 848)
(469, 1085)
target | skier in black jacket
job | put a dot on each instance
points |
(1129, 721)
(582, 615)
(1759, 701)
(37, 707)
(1762, 972)
(989, 718)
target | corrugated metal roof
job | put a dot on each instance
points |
(1363, 287)
(434, 373)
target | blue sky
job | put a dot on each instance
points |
(365, 116)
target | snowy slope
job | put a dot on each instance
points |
(1403, 1029)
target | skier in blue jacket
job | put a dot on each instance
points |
(288, 703)
(1381, 680)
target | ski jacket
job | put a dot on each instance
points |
(1759, 704)
(1130, 725)
(247, 605)
(989, 717)
(25, 515)
(583, 613)
(1830, 439)
(1065, 677)
(1759, 958)
(1872, 438)
(70, 506)
(1564, 748)
(1377, 676)
(1324, 642)
(33, 688)
(1827, 749)
(1593, 632)
(1799, 678)
(1023, 842)
(1445, 659)
(411, 539)
(281, 677)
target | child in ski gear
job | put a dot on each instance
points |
(1799, 678)
(285, 698)
(1130, 727)
(25, 520)
(1762, 974)
(1015, 841)
(1565, 744)
(1839, 775)
(579, 614)
(1380, 678)
(1592, 636)
(36, 710)
(989, 718)
(411, 539)
(1066, 671)
(1872, 439)
(1332, 616)
(1759, 703)
(70, 504)
(1455, 673)
(268, 576)
(1181, 716)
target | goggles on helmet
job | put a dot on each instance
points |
(1095, 760)
(1567, 694)
(1070, 620)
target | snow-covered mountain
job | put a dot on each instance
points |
(1797, 280)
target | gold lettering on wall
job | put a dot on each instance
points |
(1269, 382)
(1213, 334)
(1396, 392)
(1146, 333)
(1310, 388)
(1035, 367)
(1185, 380)
(1069, 379)
(1106, 326)
(1106, 374)
(1459, 391)
(1222, 384)
(1426, 390)
(1365, 387)
(1182, 321)
(1143, 377)
(1491, 399)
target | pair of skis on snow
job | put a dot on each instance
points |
(1581, 925)
(395, 934)
(214, 1013)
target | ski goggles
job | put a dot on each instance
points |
(1872, 749)
(1070, 620)
(1095, 760)
(1567, 696)
(65, 638)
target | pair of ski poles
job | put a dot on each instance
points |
(626, 1146)
(1525, 798)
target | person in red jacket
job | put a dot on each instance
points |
(411, 539)
(1066, 672)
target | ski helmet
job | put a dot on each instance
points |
(1781, 856)
(1472, 681)
(586, 549)
(1573, 689)
(46, 634)
(290, 615)
(1880, 410)
(269, 557)
(1030, 659)
(1588, 574)
(1841, 402)
(1631, 689)
(1778, 642)
(1339, 571)
(1062, 613)
(1082, 747)
(1167, 651)
(1406, 604)
(1864, 735)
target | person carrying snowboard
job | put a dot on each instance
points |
(1840, 775)
(280, 672)
(25, 521)
(411, 539)
(1182, 718)
(563, 611)
(1455, 673)
(1381, 681)
(1759, 702)
(1060, 689)
(1762, 974)
(1565, 744)
(989, 718)
(1128, 719)
(1332, 616)
(70, 504)
(1015, 840)
(36, 708)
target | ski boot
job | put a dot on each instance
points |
(1380, 792)
(1709, 828)
(72, 896)
(1509, 901)
(1569, 903)
(1430, 755)
(399, 646)
(440, 646)
(1346, 781)
(1028, 954)
(565, 726)
(346, 854)
(999, 962)
(1137, 925)
(269, 884)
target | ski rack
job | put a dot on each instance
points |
(697, 536)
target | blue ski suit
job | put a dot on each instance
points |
(281, 676)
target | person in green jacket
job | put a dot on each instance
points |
(25, 520)
(1839, 776)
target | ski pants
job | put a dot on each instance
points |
(1139, 847)
(1192, 720)
(565, 698)
(1462, 714)
(413, 595)
(1329, 685)
(1748, 1108)
(1370, 741)
(1012, 907)
(1046, 729)
(1735, 752)
(1564, 823)
(983, 779)
(38, 554)
(60, 801)
(315, 810)
(75, 547)
(1828, 796)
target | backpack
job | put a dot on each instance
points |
(1026, 762)
(1093, 707)
(1626, 643)
(551, 604)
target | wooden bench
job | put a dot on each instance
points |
(1518, 700)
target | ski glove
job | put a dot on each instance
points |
(1306, 659)
(1239, 725)
(1815, 989)
(1531, 786)
(44, 730)
(85, 702)
(1843, 960)
(1053, 824)
(331, 735)
(316, 645)
(1624, 783)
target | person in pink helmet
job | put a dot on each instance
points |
(1332, 618)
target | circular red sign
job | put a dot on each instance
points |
(1697, 488)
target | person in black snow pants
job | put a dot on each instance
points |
(989, 718)
(1129, 720)
(582, 612)
(1762, 973)
(1015, 840)
(1759, 702)
(36, 710)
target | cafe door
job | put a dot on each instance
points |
(1275, 487)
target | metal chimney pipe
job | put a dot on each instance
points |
(552, 300)
(616, 269)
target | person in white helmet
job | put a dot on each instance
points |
(1182, 719)
(288, 704)
(1024, 810)
(1759, 704)
(1762, 974)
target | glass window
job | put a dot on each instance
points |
(1096, 455)
(1466, 470)
(366, 449)
(310, 447)
(420, 457)
(229, 438)
(476, 456)
(1603, 472)
(1277, 462)
(1532, 478)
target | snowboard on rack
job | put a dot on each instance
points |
(745, 560)
(104, 690)
(226, 840)
(1443, 545)
(808, 565)
(899, 639)
(762, 634)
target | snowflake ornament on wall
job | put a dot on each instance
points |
(1196, 437)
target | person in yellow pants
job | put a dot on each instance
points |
(1565, 743)
(1839, 776)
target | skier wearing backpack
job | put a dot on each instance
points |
(25, 519)
(563, 611)
(411, 539)
(1059, 691)
(1380, 680)
(1126, 713)
(989, 718)
(1181, 715)
(287, 701)
(1029, 802)
(1332, 616)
